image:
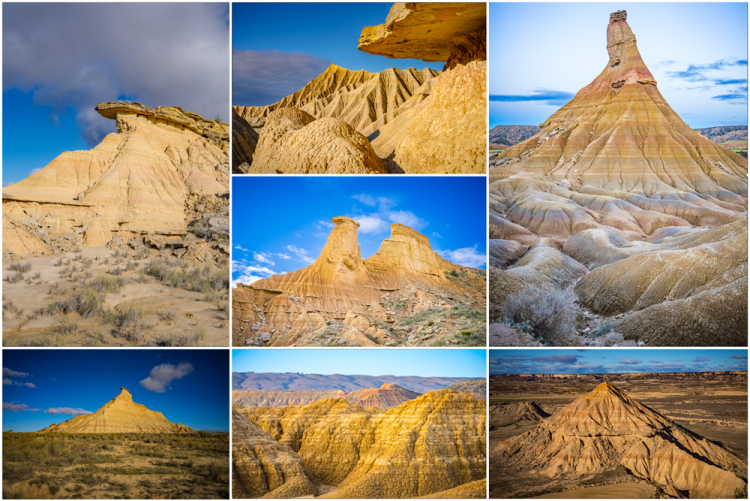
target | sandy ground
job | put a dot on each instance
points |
(171, 316)
(635, 490)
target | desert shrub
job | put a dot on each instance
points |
(551, 315)
(454, 273)
(129, 322)
(106, 284)
(65, 327)
(203, 278)
(10, 309)
(116, 271)
(167, 316)
(22, 267)
(15, 278)
(131, 266)
(421, 316)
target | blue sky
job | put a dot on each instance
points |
(608, 361)
(166, 54)
(541, 55)
(41, 387)
(280, 224)
(279, 47)
(413, 362)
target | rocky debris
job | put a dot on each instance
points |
(371, 455)
(606, 428)
(342, 299)
(139, 179)
(119, 415)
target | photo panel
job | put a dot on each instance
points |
(116, 174)
(359, 88)
(355, 261)
(618, 202)
(360, 423)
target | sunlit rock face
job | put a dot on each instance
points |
(119, 415)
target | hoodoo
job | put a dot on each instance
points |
(341, 286)
(605, 429)
(148, 178)
(119, 415)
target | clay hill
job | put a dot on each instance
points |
(161, 171)
(119, 415)
(331, 448)
(618, 200)
(505, 136)
(505, 414)
(397, 121)
(605, 429)
(342, 299)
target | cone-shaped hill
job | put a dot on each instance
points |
(366, 295)
(119, 415)
(618, 156)
(605, 429)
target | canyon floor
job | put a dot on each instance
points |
(713, 406)
(115, 466)
(104, 297)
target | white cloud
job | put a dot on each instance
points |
(262, 257)
(371, 224)
(68, 411)
(301, 254)
(406, 218)
(239, 247)
(436, 234)
(467, 256)
(18, 407)
(284, 256)
(383, 202)
(18, 383)
(326, 224)
(163, 374)
(12, 373)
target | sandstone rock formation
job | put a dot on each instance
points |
(441, 115)
(505, 414)
(244, 142)
(477, 388)
(431, 444)
(262, 467)
(146, 179)
(385, 397)
(606, 428)
(119, 415)
(616, 175)
(294, 142)
(363, 297)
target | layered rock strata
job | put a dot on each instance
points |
(119, 415)
(148, 177)
(606, 428)
(431, 444)
(340, 285)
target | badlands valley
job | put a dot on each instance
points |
(396, 121)
(657, 435)
(124, 244)
(123, 450)
(403, 295)
(365, 437)
(615, 224)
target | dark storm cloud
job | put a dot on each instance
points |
(551, 97)
(263, 77)
(73, 55)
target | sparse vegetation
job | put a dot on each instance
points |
(20, 267)
(140, 466)
(548, 316)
